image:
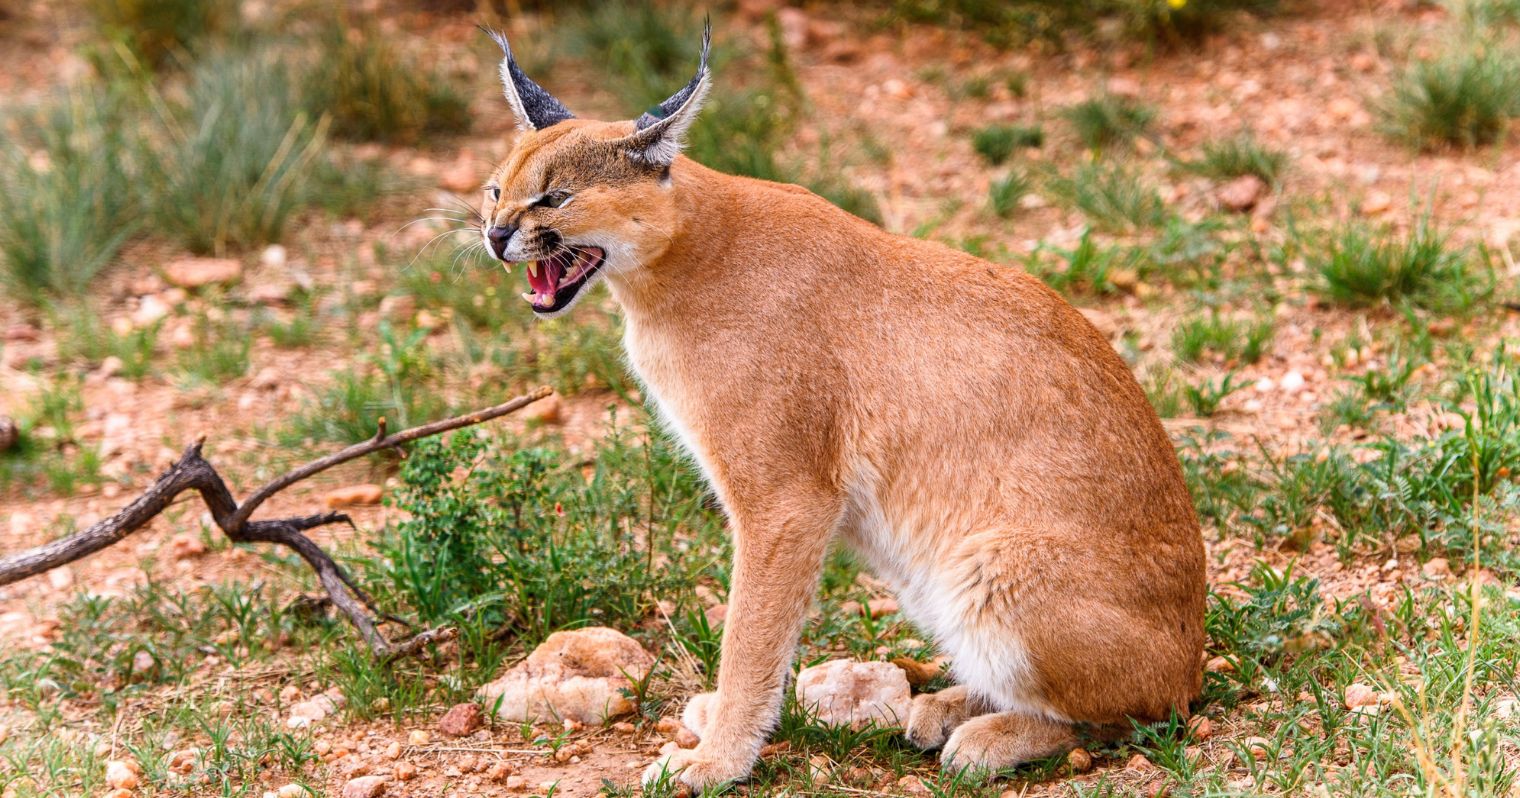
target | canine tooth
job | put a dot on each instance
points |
(533, 268)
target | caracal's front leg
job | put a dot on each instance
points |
(778, 555)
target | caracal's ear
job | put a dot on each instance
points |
(534, 108)
(659, 133)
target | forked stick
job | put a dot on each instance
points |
(192, 472)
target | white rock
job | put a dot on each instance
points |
(120, 775)
(273, 256)
(61, 577)
(149, 310)
(1265, 385)
(1292, 382)
(576, 675)
(845, 692)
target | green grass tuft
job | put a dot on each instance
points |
(375, 92)
(1107, 121)
(1462, 99)
(1361, 265)
(1004, 194)
(1225, 159)
(997, 143)
(67, 195)
(1112, 196)
(156, 30)
(230, 165)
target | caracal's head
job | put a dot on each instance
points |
(579, 199)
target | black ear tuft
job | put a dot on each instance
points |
(659, 133)
(534, 108)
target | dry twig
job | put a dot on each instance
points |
(193, 472)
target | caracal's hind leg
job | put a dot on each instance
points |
(1004, 740)
(933, 716)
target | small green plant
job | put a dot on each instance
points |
(220, 352)
(1106, 121)
(375, 92)
(516, 540)
(1205, 397)
(1231, 340)
(997, 143)
(67, 201)
(397, 383)
(47, 448)
(1225, 159)
(1005, 192)
(1112, 196)
(1361, 265)
(1166, 394)
(1464, 98)
(89, 339)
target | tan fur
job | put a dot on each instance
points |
(954, 421)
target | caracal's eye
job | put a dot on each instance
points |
(495, 192)
(554, 199)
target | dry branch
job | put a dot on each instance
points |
(192, 472)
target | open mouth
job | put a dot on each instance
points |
(553, 282)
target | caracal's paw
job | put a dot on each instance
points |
(931, 719)
(697, 712)
(696, 769)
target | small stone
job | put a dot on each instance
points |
(419, 737)
(1257, 747)
(143, 662)
(291, 791)
(912, 785)
(1241, 194)
(1376, 202)
(393, 751)
(460, 720)
(1139, 764)
(548, 410)
(182, 762)
(61, 577)
(121, 775)
(150, 309)
(183, 547)
(499, 772)
(364, 787)
(1292, 382)
(405, 771)
(200, 272)
(877, 608)
(353, 496)
(398, 307)
(1360, 695)
(516, 783)
(1079, 760)
(1437, 569)
(1200, 727)
(118, 793)
(846, 692)
(686, 738)
(273, 256)
(579, 675)
(624, 727)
